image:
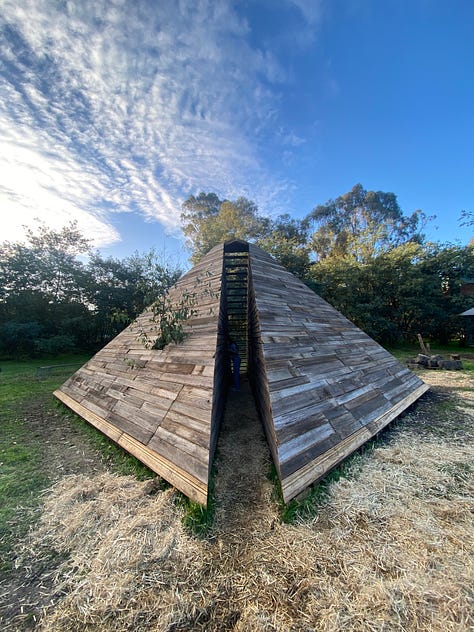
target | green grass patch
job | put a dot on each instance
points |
(310, 501)
(23, 476)
(116, 457)
(21, 482)
(318, 494)
(198, 520)
(22, 472)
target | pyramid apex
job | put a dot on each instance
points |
(233, 245)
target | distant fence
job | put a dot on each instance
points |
(43, 372)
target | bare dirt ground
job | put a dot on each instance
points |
(390, 547)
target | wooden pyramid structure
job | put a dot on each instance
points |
(322, 387)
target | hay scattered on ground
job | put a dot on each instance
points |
(391, 549)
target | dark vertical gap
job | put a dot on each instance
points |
(239, 482)
(232, 318)
(236, 264)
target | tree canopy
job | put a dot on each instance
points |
(287, 242)
(359, 252)
(47, 264)
(362, 224)
(208, 221)
(52, 302)
(408, 290)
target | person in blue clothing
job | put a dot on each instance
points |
(235, 360)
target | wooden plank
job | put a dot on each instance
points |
(73, 392)
(187, 449)
(340, 378)
(304, 399)
(307, 389)
(315, 469)
(343, 422)
(188, 431)
(188, 410)
(135, 428)
(155, 413)
(147, 419)
(310, 454)
(139, 399)
(202, 427)
(287, 422)
(190, 485)
(190, 380)
(288, 383)
(199, 397)
(304, 440)
(100, 411)
(183, 461)
(275, 374)
(181, 368)
(118, 394)
(101, 424)
(353, 392)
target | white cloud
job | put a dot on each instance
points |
(115, 106)
(293, 140)
(44, 186)
(310, 9)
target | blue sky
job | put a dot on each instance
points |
(114, 112)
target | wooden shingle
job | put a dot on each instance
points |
(322, 387)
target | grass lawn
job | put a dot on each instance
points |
(22, 472)
(384, 542)
(28, 411)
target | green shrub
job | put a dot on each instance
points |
(55, 345)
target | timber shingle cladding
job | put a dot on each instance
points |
(322, 387)
(163, 406)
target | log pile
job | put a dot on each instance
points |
(437, 362)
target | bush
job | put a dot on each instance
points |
(55, 345)
(18, 339)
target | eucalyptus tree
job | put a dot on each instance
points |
(47, 263)
(287, 242)
(208, 221)
(362, 224)
(43, 285)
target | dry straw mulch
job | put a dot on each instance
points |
(390, 549)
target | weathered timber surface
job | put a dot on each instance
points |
(163, 406)
(322, 386)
